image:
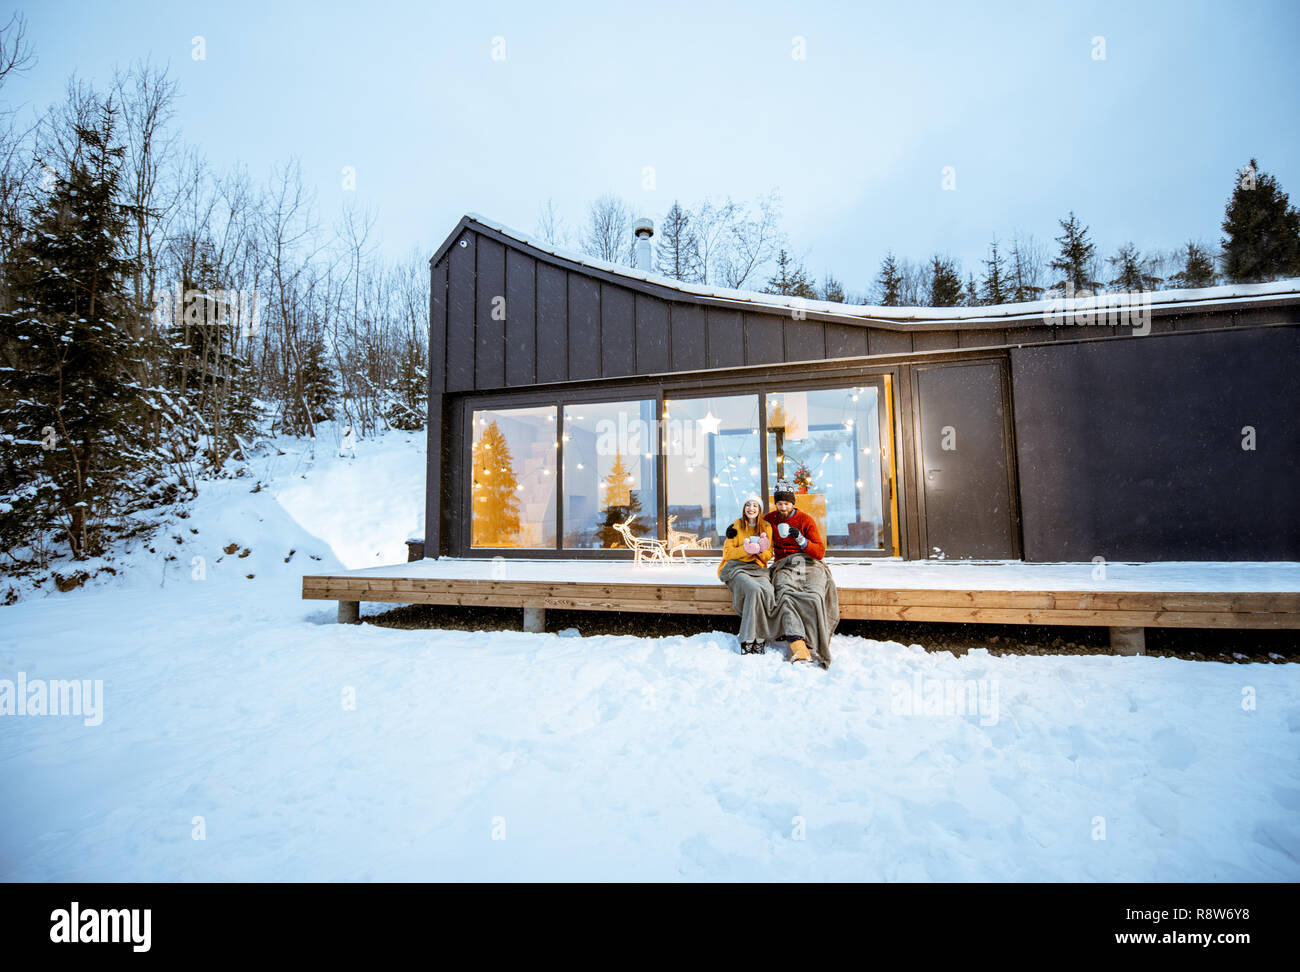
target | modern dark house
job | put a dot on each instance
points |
(575, 405)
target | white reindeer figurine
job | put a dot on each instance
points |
(679, 542)
(642, 547)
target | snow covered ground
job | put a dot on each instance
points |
(304, 750)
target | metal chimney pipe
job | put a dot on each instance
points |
(643, 229)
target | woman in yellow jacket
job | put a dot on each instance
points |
(743, 569)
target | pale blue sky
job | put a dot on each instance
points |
(1142, 145)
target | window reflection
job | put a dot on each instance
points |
(712, 462)
(827, 442)
(513, 478)
(609, 473)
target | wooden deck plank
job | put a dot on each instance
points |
(1095, 608)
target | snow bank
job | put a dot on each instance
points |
(304, 750)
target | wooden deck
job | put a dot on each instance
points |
(1125, 612)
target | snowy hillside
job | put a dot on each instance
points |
(303, 750)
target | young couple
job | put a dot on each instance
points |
(795, 600)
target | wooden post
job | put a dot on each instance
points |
(1129, 641)
(349, 612)
(534, 619)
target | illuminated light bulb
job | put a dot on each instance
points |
(579, 465)
(859, 484)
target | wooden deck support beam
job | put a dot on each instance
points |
(534, 619)
(349, 612)
(1128, 641)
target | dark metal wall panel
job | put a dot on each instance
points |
(489, 313)
(455, 508)
(436, 441)
(552, 324)
(438, 327)
(805, 340)
(617, 332)
(726, 338)
(982, 338)
(1132, 449)
(764, 339)
(846, 341)
(934, 340)
(688, 338)
(652, 336)
(905, 450)
(889, 342)
(584, 327)
(460, 316)
(964, 458)
(521, 319)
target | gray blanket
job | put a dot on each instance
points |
(753, 598)
(807, 603)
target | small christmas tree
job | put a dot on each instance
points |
(619, 502)
(803, 478)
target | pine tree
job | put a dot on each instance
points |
(889, 283)
(971, 298)
(790, 278)
(1132, 272)
(619, 502)
(1025, 263)
(312, 401)
(677, 253)
(74, 416)
(994, 290)
(1262, 230)
(945, 283)
(1198, 268)
(407, 395)
(833, 290)
(1075, 257)
(495, 488)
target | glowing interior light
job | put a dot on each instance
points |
(579, 465)
(859, 484)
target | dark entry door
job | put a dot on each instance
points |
(966, 496)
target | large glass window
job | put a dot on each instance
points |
(513, 478)
(827, 443)
(712, 461)
(609, 473)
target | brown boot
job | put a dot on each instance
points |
(799, 651)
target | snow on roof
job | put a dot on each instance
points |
(1248, 293)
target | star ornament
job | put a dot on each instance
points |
(709, 425)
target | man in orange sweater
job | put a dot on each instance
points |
(807, 600)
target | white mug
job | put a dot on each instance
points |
(783, 529)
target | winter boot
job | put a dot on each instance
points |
(799, 651)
